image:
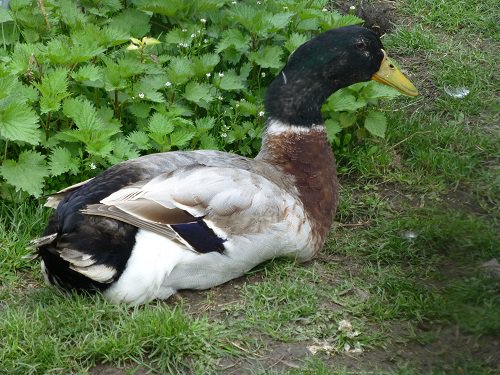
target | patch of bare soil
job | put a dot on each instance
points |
(378, 15)
(424, 349)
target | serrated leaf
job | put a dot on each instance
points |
(231, 81)
(180, 137)
(83, 113)
(375, 90)
(133, 21)
(310, 24)
(122, 150)
(54, 88)
(376, 123)
(180, 70)
(27, 173)
(267, 57)
(343, 100)
(332, 129)
(205, 123)
(19, 123)
(208, 142)
(89, 75)
(205, 63)
(61, 161)
(294, 41)
(159, 124)
(150, 41)
(5, 15)
(280, 20)
(139, 139)
(198, 93)
(234, 38)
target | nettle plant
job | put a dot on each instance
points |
(87, 84)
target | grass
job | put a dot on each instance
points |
(418, 217)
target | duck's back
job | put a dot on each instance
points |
(91, 251)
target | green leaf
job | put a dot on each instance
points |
(54, 88)
(180, 70)
(267, 57)
(5, 15)
(132, 21)
(89, 75)
(294, 41)
(280, 20)
(19, 123)
(231, 81)
(61, 161)
(332, 129)
(234, 38)
(376, 123)
(204, 124)
(27, 173)
(180, 137)
(343, 100)
(122, 150)
(374, 90)
(160, 124)
(139, 139)
(83, 113)
(205, 63)
(199, 93)
(208, 142)
(310, 24)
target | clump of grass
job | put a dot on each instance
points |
(50, 331)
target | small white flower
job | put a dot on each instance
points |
(221, 75)
(193, 35)
(263, 74)
(168, 83)
(184, 30)
(141, 95)
(208, 75)
(203, 20)
(325, 10)
(205, 40)
(258, 3)
(223, 135)
(352, 7)
(261, 113)
(93, 166)
(233, 2)
(285, 8)
(237, 105)
(220, 97)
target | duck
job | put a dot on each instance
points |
(147, 228)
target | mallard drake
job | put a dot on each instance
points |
(148, 227)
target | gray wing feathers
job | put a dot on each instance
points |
(232, 199)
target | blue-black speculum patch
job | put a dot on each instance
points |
(200, 236)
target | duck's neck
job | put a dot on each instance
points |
(305, 154)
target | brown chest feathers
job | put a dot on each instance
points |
(307, 157)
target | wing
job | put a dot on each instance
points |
(201, 205)
(54, 199)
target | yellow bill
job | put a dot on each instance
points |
(389, 75)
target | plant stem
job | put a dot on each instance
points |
(117, 109)
(47, 126)
(5, 151)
